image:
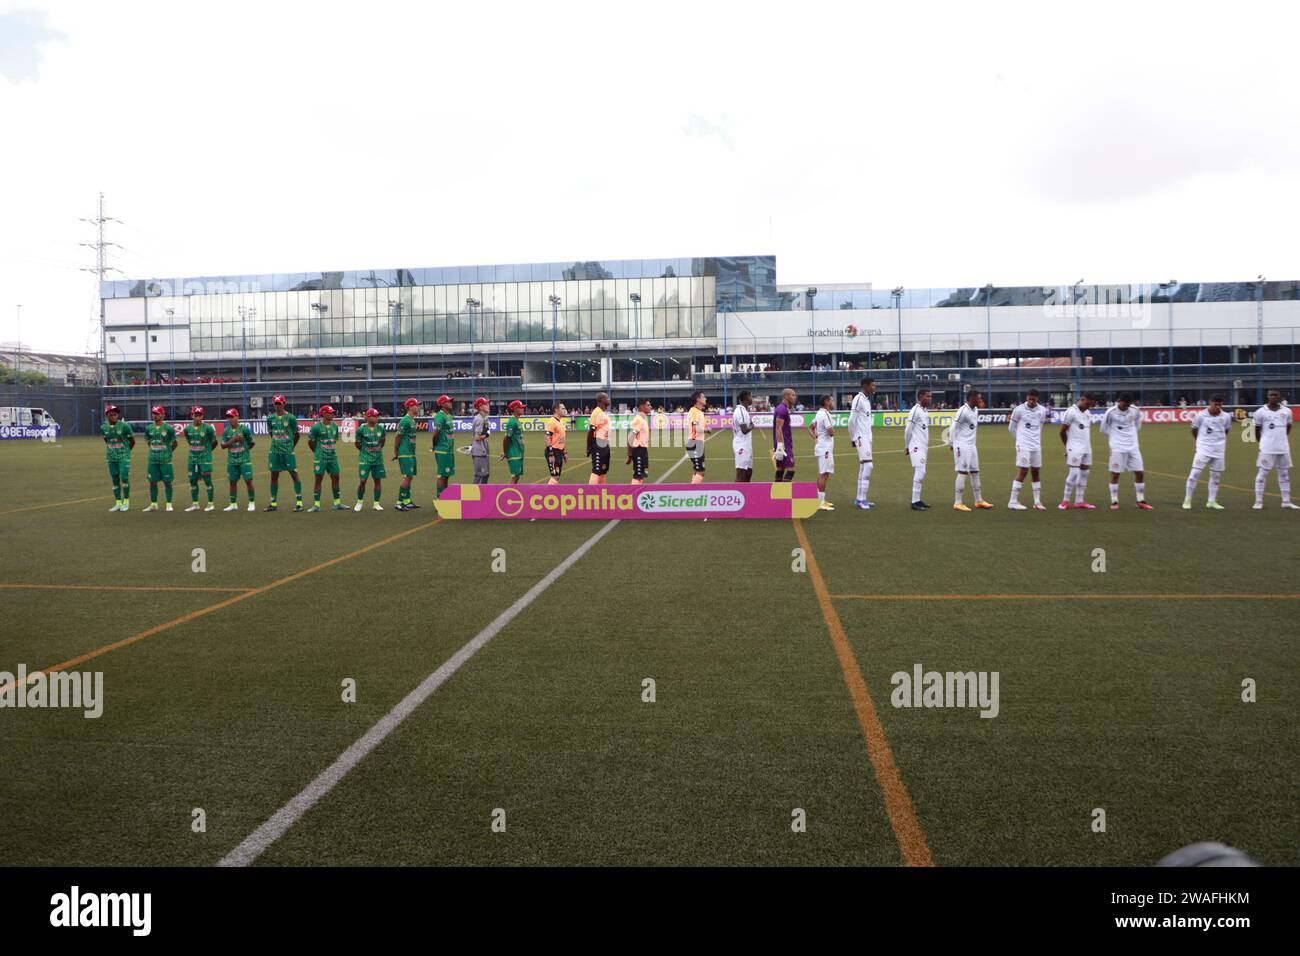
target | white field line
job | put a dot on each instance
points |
(257, 842)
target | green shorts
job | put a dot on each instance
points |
(326, 466)
(236, 470)
(516, 465)
(446, 463)
(282, 461)
(120, 469)
(407, 464)
(161, 471)
(199, 469)
(372, 469)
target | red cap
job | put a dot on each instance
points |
(327, 409)
(196, 410)
(112, 408)
(444, 399)
(232, 413)
(278, 400)
(480, 401)
(372, 413)
(410, 402)
(158, 410)
(515, 405)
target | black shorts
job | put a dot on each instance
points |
(555, 461)
(640, 462)
(600, 460)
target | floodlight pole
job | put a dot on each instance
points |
(555, 323)
(897, 293)
(320, 308)
(635, 297)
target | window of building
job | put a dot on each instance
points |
(133, 338)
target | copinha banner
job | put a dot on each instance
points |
(604, 502)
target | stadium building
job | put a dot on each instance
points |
(662, 328)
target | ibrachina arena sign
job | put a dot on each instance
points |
(845, 332)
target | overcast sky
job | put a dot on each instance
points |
(921, 144)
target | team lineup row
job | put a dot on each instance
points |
(1121, 423)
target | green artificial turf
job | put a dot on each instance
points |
(1131, 706)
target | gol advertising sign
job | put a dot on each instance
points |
(603, 502)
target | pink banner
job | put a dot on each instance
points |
(603, 502)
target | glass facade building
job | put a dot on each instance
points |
(545, 332)
(950, 297)
(461, 305)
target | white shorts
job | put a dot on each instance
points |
(918, 459)
(965, 458)
(825, 459)
(744, 457)
(1078, 459)
(864, 451)
(1202, 461)
(1125, 461)
(1269, 462)
(1029, 457)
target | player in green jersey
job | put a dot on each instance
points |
(404, 453)
(370, 447)
(443, 431)
(512, 445)
(282, 426)
(120, 439)
(238, 442)
(323, 440)
(200, 437)
(161, 439)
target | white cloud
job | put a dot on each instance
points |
(23, 35)
(922, 144)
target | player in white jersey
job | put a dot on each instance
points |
(916, 445)
(1026, 426)
(860, 420)
(1121, 424)
(1272, 426)
(1210, 429)
(742, 436)
(965, 455)
(1076, 436)
(823, 432)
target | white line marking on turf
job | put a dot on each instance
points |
(260, 839)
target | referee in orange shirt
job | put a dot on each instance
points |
(638, 442)
(555, 443)
(598, 440)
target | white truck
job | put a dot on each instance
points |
(19, 422)
(17, 415)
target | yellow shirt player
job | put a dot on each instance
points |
(598, 440)
(638, 442)
(697, 431)
(555, 453)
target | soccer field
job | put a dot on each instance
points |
(1119, 690)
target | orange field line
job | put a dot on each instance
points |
(52, 504)
(1205, 481)
(1066, 597)
(898, 802)
(220, 605)
(16, 586)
